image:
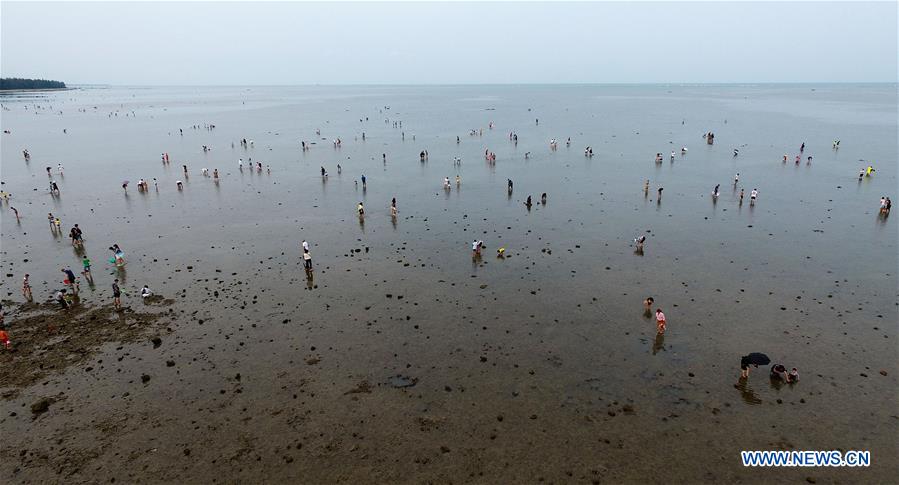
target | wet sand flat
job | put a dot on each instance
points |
(405, 360)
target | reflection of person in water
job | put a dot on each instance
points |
(658, 344)
(747, 393)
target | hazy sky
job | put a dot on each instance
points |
(444, 43)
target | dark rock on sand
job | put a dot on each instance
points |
(42, 405)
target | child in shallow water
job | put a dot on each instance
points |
(779, 372)
(660, 320)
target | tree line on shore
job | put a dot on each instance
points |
(9, 83)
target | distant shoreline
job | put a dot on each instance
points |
(30, 90)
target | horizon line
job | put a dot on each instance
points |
(623, 83)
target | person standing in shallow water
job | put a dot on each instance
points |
(26, 288)
(86, 267)
(647, 307)
(744, 366)
(116, 294)
(307, 260)
(70, 279)
(118, 255)
(639, 241)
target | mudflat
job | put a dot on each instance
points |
(402, 358)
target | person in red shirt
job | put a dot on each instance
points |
(660, 320)
(4, 339)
